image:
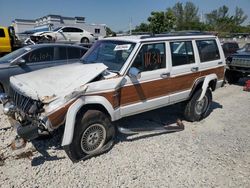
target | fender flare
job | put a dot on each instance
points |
(74, 109)
(205, 84)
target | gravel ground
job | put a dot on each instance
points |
(212, 153)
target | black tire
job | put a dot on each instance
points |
(194, 110)
(232, 76)
(84, 40)
(93, 131)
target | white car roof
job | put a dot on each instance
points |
(151, 38)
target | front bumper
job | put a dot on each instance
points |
(27, 126)
(27, 132)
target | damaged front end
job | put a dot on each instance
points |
(25, 114)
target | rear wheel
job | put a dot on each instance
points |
(196, 110)
(92, 132)
(84, 40)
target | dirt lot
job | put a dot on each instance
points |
(212, 153)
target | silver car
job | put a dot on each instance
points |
(36, 57)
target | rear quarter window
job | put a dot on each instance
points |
(60, 53)
(74, 53)
(208, 50)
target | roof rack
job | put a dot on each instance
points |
(176, 33)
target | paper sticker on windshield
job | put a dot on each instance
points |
(122, 47)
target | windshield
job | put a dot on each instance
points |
(56, 29)
(13, 55)
(111, 53)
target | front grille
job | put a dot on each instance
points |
(22, 102)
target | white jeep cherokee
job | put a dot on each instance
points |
(117, 77)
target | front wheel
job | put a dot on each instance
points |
(196, 110)
(93, 132)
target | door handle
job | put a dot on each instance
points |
(165, 75)
(220, 63)
(194, 69)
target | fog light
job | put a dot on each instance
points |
(3, 98)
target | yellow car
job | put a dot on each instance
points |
(5, 40)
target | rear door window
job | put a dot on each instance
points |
(182, 53)
(208, 50)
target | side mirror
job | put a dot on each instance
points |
(20, 62)
(134, 73)
(60, 31)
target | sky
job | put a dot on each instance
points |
(114, 13)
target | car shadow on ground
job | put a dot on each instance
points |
(242, 81)
(169, 117)
(155, 119)
(42, 145)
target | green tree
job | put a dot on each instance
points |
(221, 21)
(160, 22)
(143, 27)
(186, 16)
(239, 16)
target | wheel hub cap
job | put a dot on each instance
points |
(201, 105)
(93, 138)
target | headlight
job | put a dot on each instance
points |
(45, 122)
(55, 104)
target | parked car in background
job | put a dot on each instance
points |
(64, 34)
(245, 48)
(230, 48)
(116, 78)
(36, 57)
(8, 40)
(238, 65)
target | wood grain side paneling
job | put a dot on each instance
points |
(139, 92)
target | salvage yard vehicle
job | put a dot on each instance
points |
(230, 48)
(238, 65)
(118, 77)
(8, 40)
(36, 57)
(64, 34)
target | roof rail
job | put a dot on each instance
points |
(176, 33)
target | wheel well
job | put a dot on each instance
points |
(94, 107)
(84, 38)
(212, 84)
(198, 85)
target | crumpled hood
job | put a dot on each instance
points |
(41, 32)
(51, 83)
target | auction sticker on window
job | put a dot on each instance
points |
(122, 47)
